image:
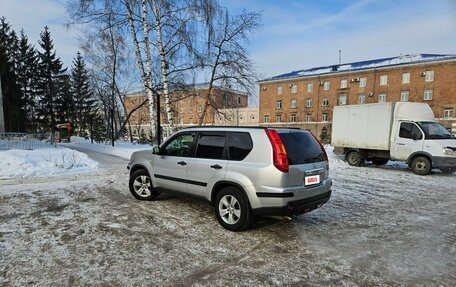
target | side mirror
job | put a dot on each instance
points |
(156, 150)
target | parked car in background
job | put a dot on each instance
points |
(243, 172)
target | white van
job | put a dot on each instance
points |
(400, 131)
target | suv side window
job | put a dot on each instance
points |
(410, 131)
(211, 145)
(181, 145)
(239, 145)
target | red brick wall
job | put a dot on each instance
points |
(443, 86)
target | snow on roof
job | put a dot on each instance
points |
(384, 62)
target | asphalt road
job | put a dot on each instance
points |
(382, 227)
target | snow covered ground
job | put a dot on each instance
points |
(43, 162)
(383, 226)
(121, 148)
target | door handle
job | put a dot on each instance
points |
(400, 144)
(182, 163)
(216, 166)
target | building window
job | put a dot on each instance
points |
(200, 109)
(325, 102)
(294, 88)
(448, 113)
(190, 121)
(279, 89)
(310, 87)
(266, 119)
(343, 84)
(190, 109)
(308, 102)
(308, 117)
(326, 85)
(361, 99)
(324, 117)
(278, 118)
(133, 102)
(181, 121)
(383, 80)
(429, 76)
(182, 110)
(405, 78)
(382, 98)
(427, 95)
(405, 96)
(239, 100)
(362, 82)
(279, 104)
(342, 100)
(293, 103)
(293, 118)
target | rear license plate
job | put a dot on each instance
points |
(311, 180)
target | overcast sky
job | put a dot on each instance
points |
(295, 34)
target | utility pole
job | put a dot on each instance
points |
(2, 120)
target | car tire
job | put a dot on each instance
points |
(232, 209)
(379, 161)
(141, 186)
(447, 170)
(421, 165)
(354, 158)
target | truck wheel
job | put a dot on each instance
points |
(421, 165)
(379, 161)
(447, 170)
(141, 186)
(232, 209)
(354, 158)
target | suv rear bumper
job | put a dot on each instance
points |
(295, 207)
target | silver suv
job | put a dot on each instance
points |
(243, 171)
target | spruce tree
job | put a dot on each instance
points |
(27, 71)
(50, 83)
(84, 103)
(12, 98)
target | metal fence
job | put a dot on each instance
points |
(24, 141)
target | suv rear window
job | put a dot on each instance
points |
(301, 148)
(239, 145)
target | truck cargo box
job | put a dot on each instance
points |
(366, 126)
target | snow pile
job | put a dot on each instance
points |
(121, 148)
(43, 162)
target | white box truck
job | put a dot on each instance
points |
(402, 131)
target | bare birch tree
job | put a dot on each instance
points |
(225, 56)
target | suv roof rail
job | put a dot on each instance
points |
(225, 127)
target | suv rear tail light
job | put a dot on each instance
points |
(322, 147)
(279, 154)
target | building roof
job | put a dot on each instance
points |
(370, 64)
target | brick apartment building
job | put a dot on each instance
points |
(238, 117)
(305, 98)
(187, 106)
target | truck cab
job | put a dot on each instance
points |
(424, 145)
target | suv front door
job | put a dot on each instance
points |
(209, 164)
(171, 164)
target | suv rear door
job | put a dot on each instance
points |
(208, 164)
(307, 159)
